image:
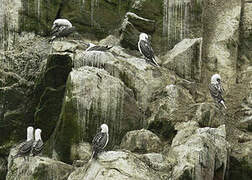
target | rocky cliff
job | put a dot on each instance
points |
(162, 121)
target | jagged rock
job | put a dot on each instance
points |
(115, 165)
(220, 38)
(169, 105)
(94, 97)
(38, 168)
(200, 153)
(240, 161)
(207, 114)
(81, 151)
(132, 26)
(3, 168)
(141, 141)
(185, 59)
(142, 78)
(110, 41)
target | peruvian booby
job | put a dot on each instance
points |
(25, 147)
(93, 47)
(37, 144)
(100, 140)
(216, 89)
(61, 28)
(144, 46)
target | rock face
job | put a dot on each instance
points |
(94, 97)
(115, 165)
(168, 107)
(220, 48)
(245, 54)
(21, 68)
(240, 162)
(201, 153)
(185, 59)
(142, 141)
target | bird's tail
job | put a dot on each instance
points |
(109, 47)
(52, 39)
(154, 62)
(223, 104)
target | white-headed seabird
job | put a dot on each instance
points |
(100, 140)
(25, 148)
(144, 46)
(216, 89)
(93, 47)
(37, 144)
(61, 28)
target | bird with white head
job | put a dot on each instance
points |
(216, 89)
(38, 143)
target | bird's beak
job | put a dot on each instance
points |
(53, 27)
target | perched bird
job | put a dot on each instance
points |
(25, 148)
(61, 28)
(100, 140)
(93, 47)
(216, 89)
(144, 46)
(37, 144)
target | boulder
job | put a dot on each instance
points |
(115, 165)
(185, 59)
(132, 26)
(38, 168)
(94, 97)
(247, 112)
(200, 153)
(168, 106)
(221, 20)
(141, 141)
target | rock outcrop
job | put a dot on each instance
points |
(141, 141)
(200, 153)
(115, 165)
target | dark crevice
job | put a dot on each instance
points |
(58, 15)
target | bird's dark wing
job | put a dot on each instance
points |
(99, 141)
(216, 92)
(99, 48)
(37, 147)
(146, 49)
(64, 32)
(25, 148)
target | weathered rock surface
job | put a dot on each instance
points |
(3, 168)
(132, 26)
(81, 151)
(185, 59)
(94, 97)
(168, 107)
(220, 38)
(141, 141)
(245, 50)
(38, 168)
(21, 68)
(241, 162)
(207, 114)
(200, 153)
(115, 165)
